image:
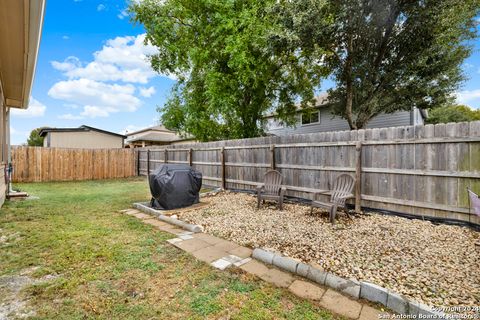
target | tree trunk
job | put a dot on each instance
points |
(349, 84)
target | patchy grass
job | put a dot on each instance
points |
(112, 266)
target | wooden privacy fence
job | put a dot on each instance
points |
(419, 170)
(37, 164)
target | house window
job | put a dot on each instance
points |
(310, 117)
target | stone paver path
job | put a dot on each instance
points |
(223, 254)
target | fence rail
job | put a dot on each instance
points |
(37, 164)
(419, 170)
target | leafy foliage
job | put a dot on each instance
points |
(234, 62)
(387, 55)
(34, 139)
(453, 113)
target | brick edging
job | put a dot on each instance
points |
(351, 287)
(195, 228)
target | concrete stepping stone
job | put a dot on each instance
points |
(341, 305)
(185, 236)
(130, 212)
(368, 313)
(278, 278)
(221, 264)
(192, 245)
(142, 216)
(155, 223)
(174, 240)
(306, 290)
(232, 258)
(255, 267)
(209, 254)
(242, 262)
(241, 252)
(207, 238)
(226, 245)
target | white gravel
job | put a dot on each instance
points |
(436, 264)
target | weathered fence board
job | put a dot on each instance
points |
(37, 164)
(420, 170)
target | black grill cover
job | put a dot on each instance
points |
(174, 186)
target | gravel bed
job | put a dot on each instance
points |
(435, 264)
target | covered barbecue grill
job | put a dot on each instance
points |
(174, 186)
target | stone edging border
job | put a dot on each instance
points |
(350, 287)
(195, 228)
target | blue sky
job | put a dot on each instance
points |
(91, 70)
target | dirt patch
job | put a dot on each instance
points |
(12, 304)
(434, 264)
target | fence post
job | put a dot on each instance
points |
(166, 156)
(138, 161)
(358, 177)
(148, 162)
(190, 158)
(272, 157)
(222, 160)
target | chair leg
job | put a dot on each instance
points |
(280, 203)
(258, 201)
(348, 213)
(333, 212)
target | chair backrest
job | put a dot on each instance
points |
(474, 202)
(342, 186)
(273, 182)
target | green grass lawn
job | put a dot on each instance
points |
(112, 266)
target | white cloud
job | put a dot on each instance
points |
(468, 96)
(95, 112)
(147, 92)
(69, 116)
(71, 105)
(96, 86)
(99, 99)
(65, 37)
(123, 14)
(69, 64)
(101, 7)
(35, 109)
(131, 128)
(121, 59)
(19, 134)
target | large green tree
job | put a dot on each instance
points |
(386, 55)
(453, 113)
(234, 62)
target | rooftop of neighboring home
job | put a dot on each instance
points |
(82, 128)
(156, 134)
(322, 101)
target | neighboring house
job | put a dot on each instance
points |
(20, 30)
(320, 119)
(154, 136)
(81, 137)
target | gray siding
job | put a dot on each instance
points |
(329, 122)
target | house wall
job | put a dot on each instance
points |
(329, 122)
(82, 139)
(3, 148)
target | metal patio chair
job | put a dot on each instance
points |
(272, 189)
(341, 191)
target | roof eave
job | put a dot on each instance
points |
(34, 11)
